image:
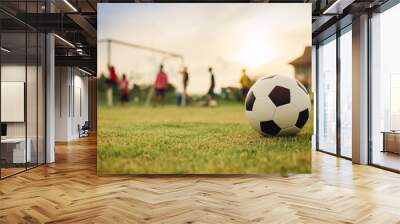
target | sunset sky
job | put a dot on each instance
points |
(260, 37)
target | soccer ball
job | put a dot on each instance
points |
(277, 105)
(213, 103)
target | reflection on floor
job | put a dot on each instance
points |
(387, 159)
(8, 170)
(69, 191)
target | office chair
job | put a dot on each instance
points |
(84, 130)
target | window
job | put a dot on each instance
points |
(385, 89)
(334, 106)
(346, 93)
(327, 96)
(394, 102)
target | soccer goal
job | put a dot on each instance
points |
(139, 63)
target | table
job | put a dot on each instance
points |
(391, 141)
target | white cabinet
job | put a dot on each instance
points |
(19, 155)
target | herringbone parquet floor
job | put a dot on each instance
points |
(69, 191)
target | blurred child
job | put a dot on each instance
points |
(161, 85)
(185, 80)
(111, 81)
(245, 81)
(113, 75)
(211, 94)
(124, 90)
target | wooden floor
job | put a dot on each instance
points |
(5, 172)
(387, 159)
(69, 191)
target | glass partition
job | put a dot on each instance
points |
(35, 88)
(14, 153)
(327, 96)
(346, 93)
(32, 97)
(385, 89)
(22, 101)
(41, 96)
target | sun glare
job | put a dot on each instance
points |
(254, 51)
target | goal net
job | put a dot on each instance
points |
(140, 64)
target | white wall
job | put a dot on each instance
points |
(12, 73)
(62, 82)
(33, 126)
(71, 102)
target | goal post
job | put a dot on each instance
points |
(157, 56)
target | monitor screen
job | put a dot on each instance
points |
(3, 129)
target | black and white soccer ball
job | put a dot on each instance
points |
(277, 105)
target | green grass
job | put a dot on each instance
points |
(170, 139)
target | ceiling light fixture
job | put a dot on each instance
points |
(64, 40)
(5, 50)
(79, 51)
(337, 7)
(70, 5)
(84, 71)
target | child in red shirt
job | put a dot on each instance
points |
(124, 88)
(161, 84)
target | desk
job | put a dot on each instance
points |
(16, 147)
(391, 141)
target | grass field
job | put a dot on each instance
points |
(175, 140)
